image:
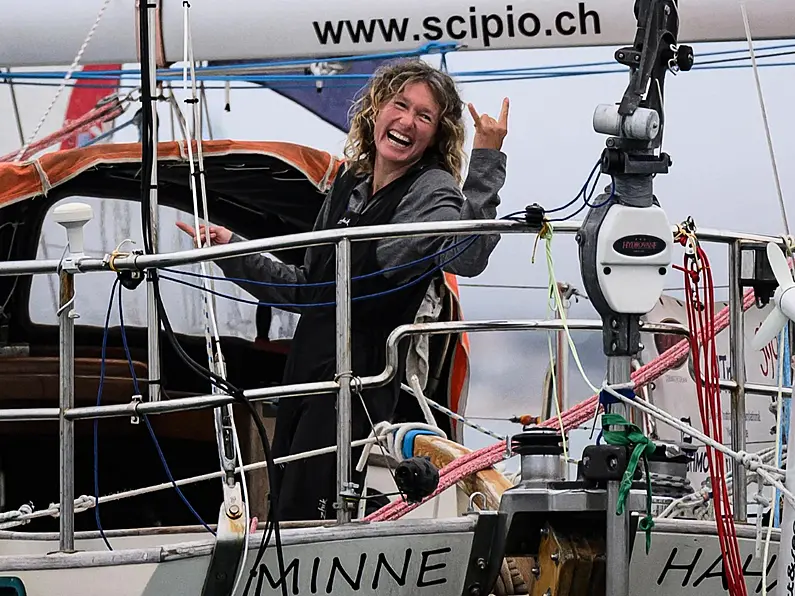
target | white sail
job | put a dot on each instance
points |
(49, 32)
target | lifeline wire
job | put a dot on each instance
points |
(764, 117)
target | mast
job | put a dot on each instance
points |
(625, 239)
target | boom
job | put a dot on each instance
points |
(49, 32)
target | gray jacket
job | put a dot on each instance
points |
(434, 196)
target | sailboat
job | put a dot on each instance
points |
(551, 531)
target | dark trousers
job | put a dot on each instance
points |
(307, 488)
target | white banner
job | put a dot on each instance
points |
(49, 32)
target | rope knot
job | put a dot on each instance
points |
(749, 460)
(642, 447)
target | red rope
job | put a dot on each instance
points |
(701, 322)
(107, 111)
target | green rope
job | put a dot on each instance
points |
(631, 436)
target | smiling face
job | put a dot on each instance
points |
(406, 126)
(408, 110)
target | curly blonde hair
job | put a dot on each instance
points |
(388, 81)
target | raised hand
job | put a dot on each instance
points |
(489, 133)
(218, 235)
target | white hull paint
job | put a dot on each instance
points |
(685, 560)
(407, 557)
(49, 32)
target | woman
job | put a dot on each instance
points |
(404, 157)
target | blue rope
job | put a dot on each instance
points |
(306, 81)
(96, 420)
(110, 133)
(414, 281)
(544, 71)
(163, 461)
(784, 351)
(318, 284)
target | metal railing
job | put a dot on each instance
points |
(66, 414)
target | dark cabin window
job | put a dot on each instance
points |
(114, 221)
(12, 586)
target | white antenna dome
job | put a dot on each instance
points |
(73, 216)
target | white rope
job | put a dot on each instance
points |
(390, 438)
(422, 400)
(24, 514)
(765, 122)
(26, 509)
(69, 72)
(702, 496)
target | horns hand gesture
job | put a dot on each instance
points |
(489, 133)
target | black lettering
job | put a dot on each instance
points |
(328, 31)
(748, 573)
(425, 568)
(571, 29)
(265, 572)
(399, 579)
(394, 30)
(670, 566)
(361, 30)
(461, 34)
(433, 30)
(315, 567)
(335, 564)
(509, 8)
(709, 573)
(584, 15)
(473, 22)
(699, 463)
(487, 32)
(529, 16)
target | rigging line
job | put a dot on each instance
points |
(198, 177)
(764, 117)
(152, 435)
(15, 107)
(69, 73)
(748, 460)
(214, 352)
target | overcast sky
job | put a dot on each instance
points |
(721, 176)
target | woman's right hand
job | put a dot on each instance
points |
(218, 235)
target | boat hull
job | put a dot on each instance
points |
(394, 558)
